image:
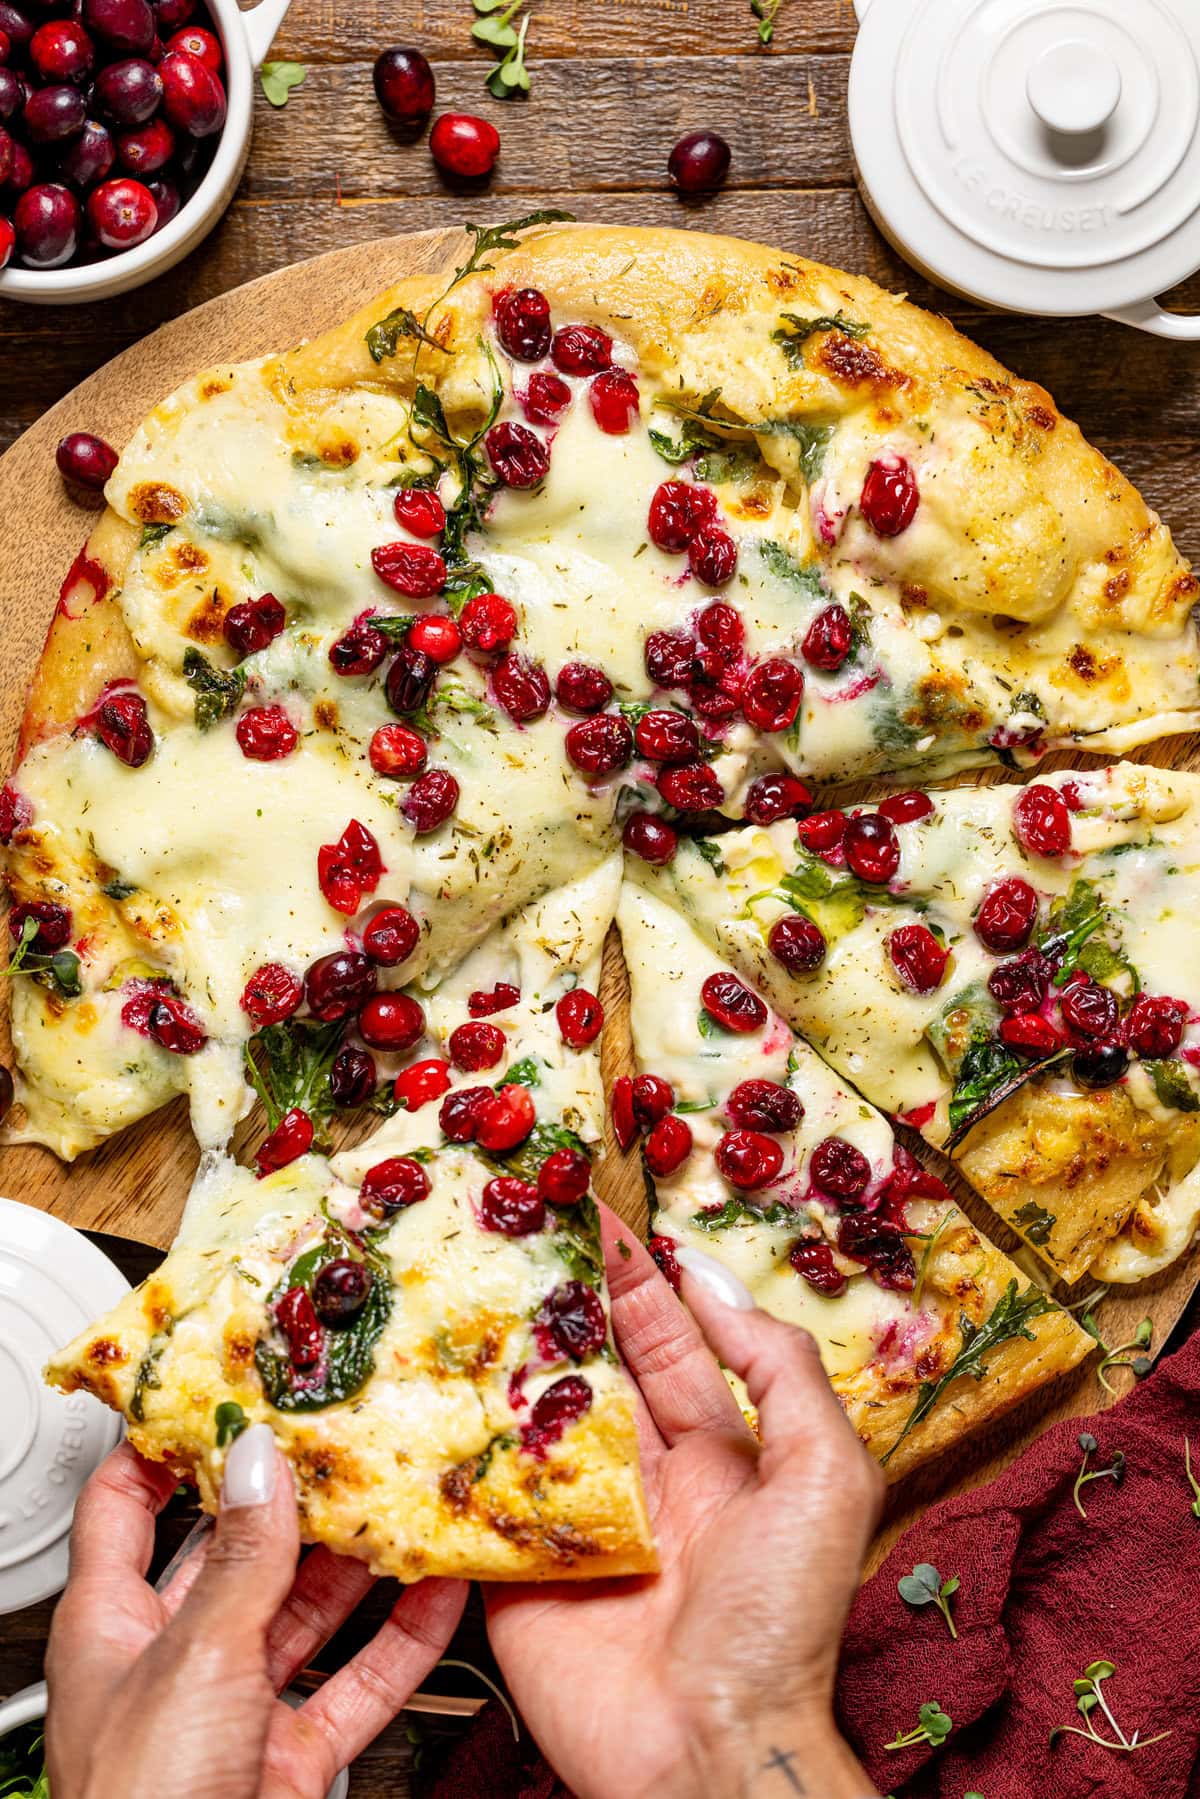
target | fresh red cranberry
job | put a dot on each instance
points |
(692, 787)
(875, 1240)
(437, 637)
(906, 808)
(271, 994)
(391, 936)
(677, 512)
(352, 1076)
(519, 458)
(476, 1046)
(813, 1258)
(126, 25)
(1155, 1024)
(482, 1004)
(193, 97)
(650, 837)
(1030, 1035)
(573, 1317)
(828, 639)
(823, 833)
(918, 958)
(155, 1012)
(167, 198)
(624, 1123)
(668, 1146)
(523, 323)
(412, 569)
(291, 1139)
(201, 44)
(1088, 1009)
(358, 650)
(340, 1291)
(295, 1313)
(85, 461)
(757, 1105)
(409, 679)
(46, 220)
(1041, 822)
(652, 1098)
(171, 14)
(404, 87)
(13, 89)
(422, 1082)
(797, 943)
(1007, 916)
(391, 1021)
(522, 688)
(699, 162)
(559, 1406)
(146, 150)
(465, 146)
(662, 1252)
(123, 726)
(731, 1004)
(1073, 800)
(839, 1169)
(546, 398)
(776, 796)
(748, 1160)
(350, 868)
(419, 511)
(266, 733)
(337, 984)
(15, 814)
(128, 93)
(666, 736)
(582, 687)
(872, 848)
(62, 51)
(581, 350)
(1022, 983)
(392, 1184)
(488, 622)
(511, 1206)
(252, 624)
(580, 1018)
(713, 556)
(599, 746)
(16, 27)
(719, 627)
(668, 658)
(398, 752)
(1099, 1064)
(890, 496)
(715, 685)
(564, 1177)
(430, 800)
(87, 159)
(614, 399)
(461, 1111)
(506, 1119)
(122, 213)
(54, 925)
(772, 694)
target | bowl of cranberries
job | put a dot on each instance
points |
(124, 129)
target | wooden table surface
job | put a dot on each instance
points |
(615, 82)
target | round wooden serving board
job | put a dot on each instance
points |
(135, 1185)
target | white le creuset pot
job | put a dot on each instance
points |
(246, 38)
(1037, 155)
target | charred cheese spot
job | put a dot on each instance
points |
(239, 1351)
(338, 452)
(1041, 417)
(1117, 586)
(327, 1464)
(455, 1487)
(783, 281)
(104, 1353)
(156, 503)
(855, 364)
(206, 623)
(326, 715)
(212, 385)
(156, 1307)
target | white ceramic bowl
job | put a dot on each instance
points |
(246, 37)
(30, 1703)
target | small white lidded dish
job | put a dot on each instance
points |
(1041, 156)
(245, 38)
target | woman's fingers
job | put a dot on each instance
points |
(112, 1537)
(326, 1590)
(251, 1559)
(682, 1384)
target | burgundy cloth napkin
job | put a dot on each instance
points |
(1043, 1594)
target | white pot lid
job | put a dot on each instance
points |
(1036, 155)
(53, 1283)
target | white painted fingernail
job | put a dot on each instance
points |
(250, 1468)
(716, 1279)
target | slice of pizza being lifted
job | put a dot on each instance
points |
(761, 1155)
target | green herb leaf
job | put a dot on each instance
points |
(116, 890)
(709, 852)
(795, 332)
(576, 1240)
(217, 693)
(806, 576)
(59, 970)
(289, 1065)
(490, 238)
(1171, 1085)
(349, 1358)
(933, 1727)
(525, 1073)
(153, 534)
(279, 78)
(384, 337)
(740, 1211)
(925, 1586)
(1034, 1222)
(230, 1421)
(764, 11)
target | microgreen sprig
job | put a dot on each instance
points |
(764, 11)
(1140, 1365)
(925, 1586)
(1114, 1472)
(1088, 1697)
(933, 1727)
(494, 27)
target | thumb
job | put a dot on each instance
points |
(251, 1560)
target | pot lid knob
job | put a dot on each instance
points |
(1074, 87)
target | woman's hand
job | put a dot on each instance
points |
(175, 1692)
(717, 1676)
